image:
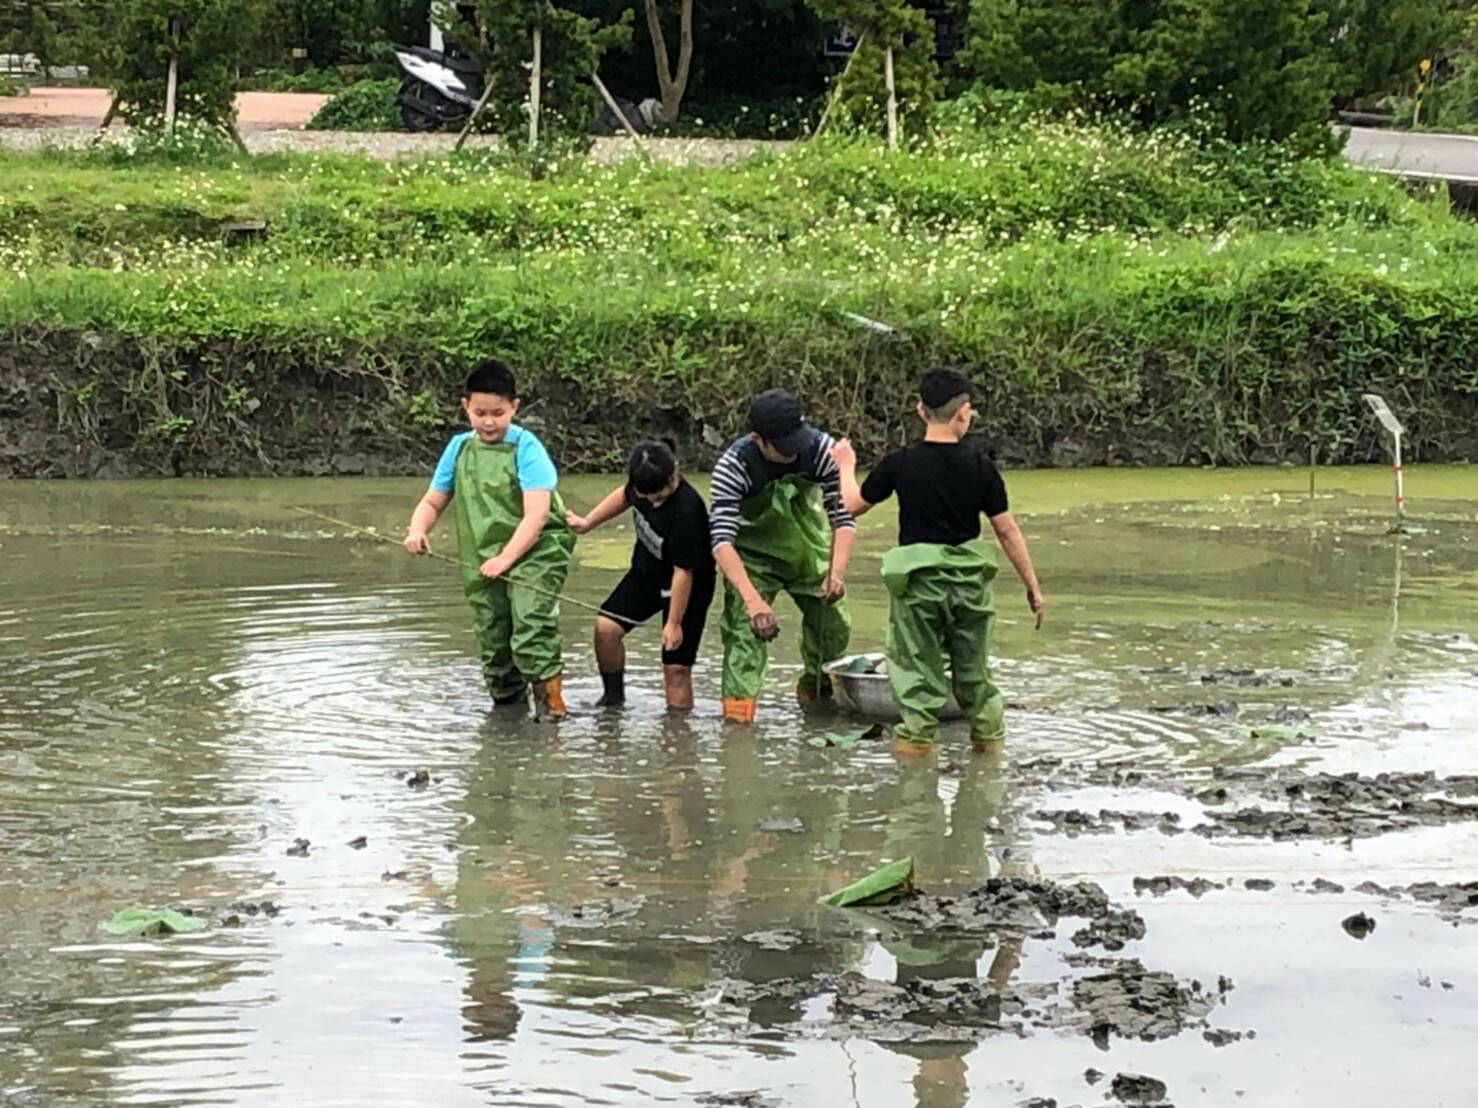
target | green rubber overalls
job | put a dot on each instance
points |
(517, 628)
(784, 540)
(940, 613)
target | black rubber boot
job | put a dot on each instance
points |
(615, 690)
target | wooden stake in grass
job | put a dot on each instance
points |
(836, 89)
(892, 99)
(537, 78)
(476, 111)
(610, 100)
(171, 82)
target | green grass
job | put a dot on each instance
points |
(1118, 295)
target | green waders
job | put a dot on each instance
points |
(785, 542)
(517, 628)
(940, 613)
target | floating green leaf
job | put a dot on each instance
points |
(847, 740)
(151, 921)
(1280, 732)
(882, 886)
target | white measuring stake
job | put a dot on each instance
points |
(872, 325)
(1389, 421)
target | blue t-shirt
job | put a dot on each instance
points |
(535, 468)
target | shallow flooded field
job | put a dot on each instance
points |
(622, 909)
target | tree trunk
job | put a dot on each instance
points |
(672, 85)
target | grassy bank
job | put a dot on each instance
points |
(1120, 298)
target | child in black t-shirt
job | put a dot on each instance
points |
(671, 572)
(940, 607)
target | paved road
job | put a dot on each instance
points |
(83, 107)
(1454, 157)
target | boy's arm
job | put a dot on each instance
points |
(427, 512)
(729, 485)
(608, 509)
(761, 615)
(535, 515)
(677, 607)
(846, 459)
(834, 587)
(843, 526)
(1013, 542)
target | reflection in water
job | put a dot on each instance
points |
(542, 922)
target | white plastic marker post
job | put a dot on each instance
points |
(874, 326)
(1389, 421)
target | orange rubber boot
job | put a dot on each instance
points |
(740, 709)
(549, 699)
(906, 751)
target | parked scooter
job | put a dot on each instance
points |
(438, 88)
(441, 88)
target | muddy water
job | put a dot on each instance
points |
(191, 677)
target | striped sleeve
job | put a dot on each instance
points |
(730, 484)
(824, 471)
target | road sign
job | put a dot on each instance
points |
(840, 43)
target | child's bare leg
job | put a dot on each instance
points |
(677, 682)
(610, 659)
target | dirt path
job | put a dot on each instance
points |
(85, 107)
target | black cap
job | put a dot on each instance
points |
(776, 417)
(939, 386)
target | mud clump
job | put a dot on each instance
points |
(1258, 884)
(1341, 806)
(1447, 898)
(1220, 1036)
(1111, 931)
(1019, 905)
(953, 1003)
(1159, 886)
(1247, 679)
(1074, 821)
(1222, 709)
(1134, 1088)
(1135, 1003)
(773, 940)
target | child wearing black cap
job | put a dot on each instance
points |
(671, 573)
(940, 607)
(779, 525)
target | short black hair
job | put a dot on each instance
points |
(651, 467)
(493, 376)
(942, 391)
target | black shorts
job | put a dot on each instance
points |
(636, 599)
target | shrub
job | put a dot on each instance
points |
(363, 106)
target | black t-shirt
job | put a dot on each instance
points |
(942, 487)
(673, 534)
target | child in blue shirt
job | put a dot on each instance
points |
(512, 538)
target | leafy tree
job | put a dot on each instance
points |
(1263, 69)
(881, 25)
(570, 51)
(1377, 43)
(133, 43)
(332, 31)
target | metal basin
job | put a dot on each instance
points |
(867, 694)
